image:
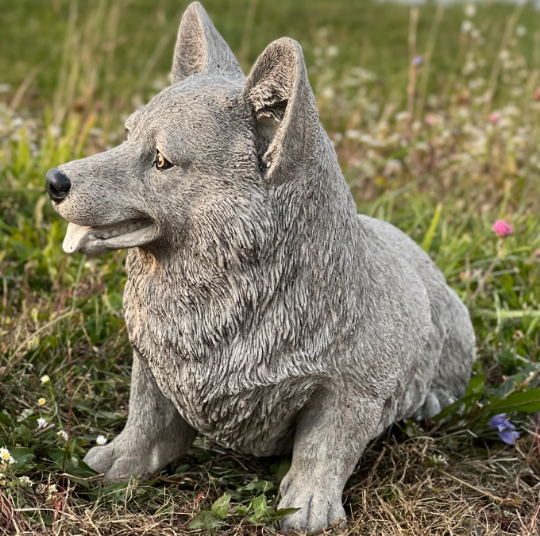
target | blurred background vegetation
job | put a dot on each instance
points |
(117, 53)
(434, 111)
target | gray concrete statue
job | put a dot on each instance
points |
(262, 310)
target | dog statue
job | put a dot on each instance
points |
(262, 310)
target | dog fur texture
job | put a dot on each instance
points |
(261, 308)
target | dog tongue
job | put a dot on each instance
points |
(74, 237)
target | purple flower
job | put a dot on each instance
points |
(509, 436)
(417, 61)
(500, 422)
(505, 429)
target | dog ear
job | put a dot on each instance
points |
(200, 48)
(287, 119)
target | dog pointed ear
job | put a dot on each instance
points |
(287, 119)
(200, 48)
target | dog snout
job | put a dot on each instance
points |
(58, 185)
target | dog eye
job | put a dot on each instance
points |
(128, 134)
(161, 162)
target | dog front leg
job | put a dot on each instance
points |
(331, 434)
(155, 434)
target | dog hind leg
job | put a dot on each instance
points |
(155, 434)
(457, 356)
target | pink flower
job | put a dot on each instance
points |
(494, 117)
(502, 228)
(430, 120)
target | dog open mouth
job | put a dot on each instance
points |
(102, 238)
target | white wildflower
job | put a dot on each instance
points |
(51, 490)
(511, 111)
(504, 54)
(370, 141)
(521, 31)
(351, 82)
(466, 26)
(392, 167)
(535, 161)
(25, 481)
(353, 134)
(363, 74)
(45, 379)
(477, 83)
(62, 434)
(438, 460)
(470, 10)
(506, 123)
(101, 440)
(508, 64)
(445, 135)
(41, 423)
(481, 99)
(402, 116)
(41, 401)
(365, 168)
(469, 68)
(327, 93)
(332, 51)
(55, 131)
(5, 456)
(463, 113)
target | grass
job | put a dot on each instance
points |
(441, 150)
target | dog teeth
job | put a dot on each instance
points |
(120, 229)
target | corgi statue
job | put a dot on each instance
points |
(262, 309)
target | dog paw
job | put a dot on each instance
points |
(100, 459)
(119, 461)
(318, 510)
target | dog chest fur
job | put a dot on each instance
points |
(240, 350)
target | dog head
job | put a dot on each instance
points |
(201, 157)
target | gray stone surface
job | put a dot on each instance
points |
(261, 308)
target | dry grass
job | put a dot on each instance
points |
(403, 487)
(442, 155)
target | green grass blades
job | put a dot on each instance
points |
(435, 116)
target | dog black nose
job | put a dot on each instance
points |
(58, 185)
